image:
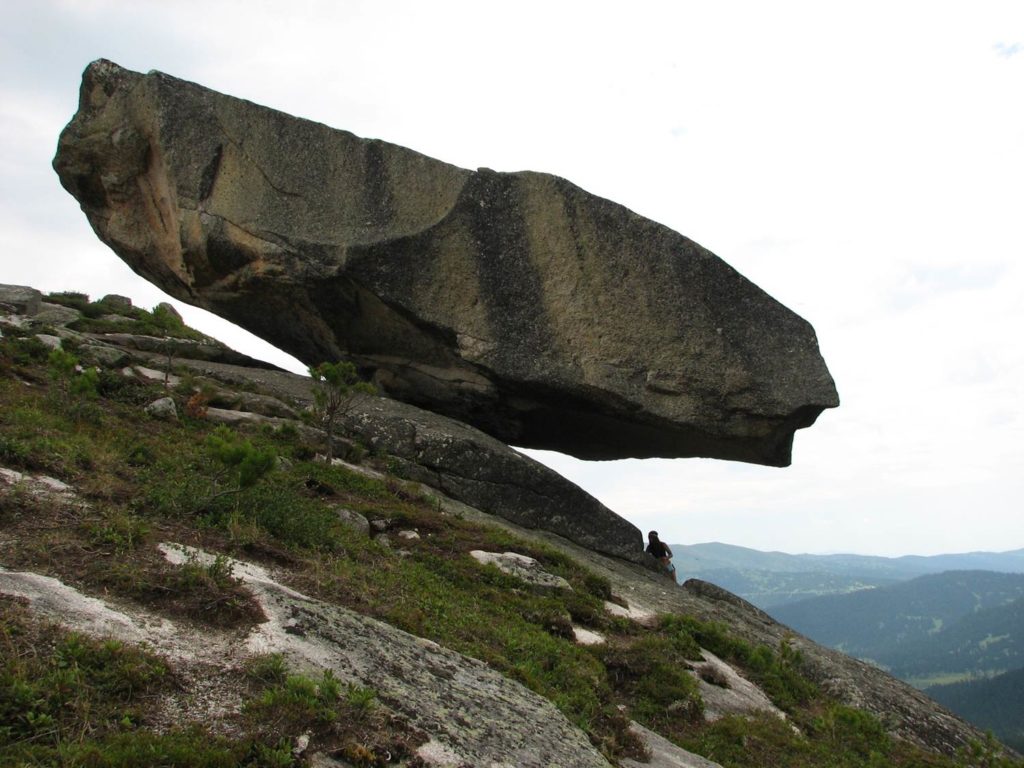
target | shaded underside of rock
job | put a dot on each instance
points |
(515, 302)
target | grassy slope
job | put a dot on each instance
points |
(151, 481)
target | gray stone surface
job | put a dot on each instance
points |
(906, 712)
(516, 302)
(477, 469)
(521, 566)
(104, 354)
(19, 300)
(456, 459)
(250, 401)
(51, 342)
(479, 716)
(471, 713)
(734, 696)
(664, 754)
(117, 303)
(55, 314)
(209, 349)
(353, 520)
(163, 409)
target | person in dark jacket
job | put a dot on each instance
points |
(659, 550)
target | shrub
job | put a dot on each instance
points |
(335, 389)
(118, 531)
(69, 378)
(298, 700)
(238, 464)
(777, 673)
(651, 674)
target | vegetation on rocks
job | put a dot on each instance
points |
(104, 316)
(257, 494)
(335, 388)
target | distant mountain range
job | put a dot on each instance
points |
(769, 579)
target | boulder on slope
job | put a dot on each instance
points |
(516, 302)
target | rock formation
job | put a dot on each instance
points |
(424, 447)
(514, 302)
(466, 710)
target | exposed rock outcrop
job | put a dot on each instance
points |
(472, 714)
(906, 712)
(520, 566)
(175, 348)
(470, 466)
(726, 692)
(425, 447)
(664, 754)
(515, 302)
(19, 299)
(641, 595)
(477, 714)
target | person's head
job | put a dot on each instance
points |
(652, 536)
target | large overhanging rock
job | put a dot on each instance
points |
(515, 302)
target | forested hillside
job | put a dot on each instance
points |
(996, 704)
(880, 624)
(984, 642)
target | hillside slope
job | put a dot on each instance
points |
(990, 640)
(994, 703)
(948, 622)
(271, 608)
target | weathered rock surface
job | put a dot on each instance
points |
(485, 473)
(19, 299)
(353, 520)
(663, 753)
(116, 303)
(210, 349)
(55, 314)
(906, 712)
(726, 692)
(516, 302)
(456, 459)
(250, 401)
(520, 566)
(472, 714)
(38, 485)
(163, 409)
(479, 716)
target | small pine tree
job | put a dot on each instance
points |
(239, 464)
(336, 386)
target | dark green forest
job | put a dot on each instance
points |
(956, 622)
(997, 704)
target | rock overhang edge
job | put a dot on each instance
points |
(515, 302)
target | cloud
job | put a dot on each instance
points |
(924, 282)
(878, 196)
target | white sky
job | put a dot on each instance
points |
(862, 162)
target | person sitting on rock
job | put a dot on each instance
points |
(659, 549)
